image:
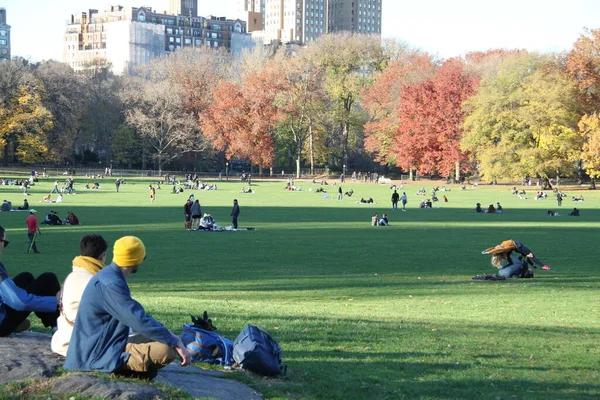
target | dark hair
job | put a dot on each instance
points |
(2, 232)
(92, 245)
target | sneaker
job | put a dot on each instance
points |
(23, 326)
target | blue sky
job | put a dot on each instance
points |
(445, 28)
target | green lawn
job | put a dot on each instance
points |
(360, 311)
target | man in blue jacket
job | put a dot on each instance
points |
(100, 340)
(24, 294)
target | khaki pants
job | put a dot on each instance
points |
(146, 357)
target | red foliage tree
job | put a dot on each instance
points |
(242, 118)
(382, 100)
(430, 127)
(583, 65)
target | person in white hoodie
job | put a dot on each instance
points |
(92, 257)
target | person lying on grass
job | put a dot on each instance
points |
(514, 265)
(100, 341)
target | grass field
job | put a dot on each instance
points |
(360, 311)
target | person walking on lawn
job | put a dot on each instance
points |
(33, 229)
(100, 341)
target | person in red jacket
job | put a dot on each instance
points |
(32, 230)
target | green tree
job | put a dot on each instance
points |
(349, 63)
(523, 120)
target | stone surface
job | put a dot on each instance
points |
(202, 383)
(28, 355)
(92, 386)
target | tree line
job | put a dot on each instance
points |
(344, 101)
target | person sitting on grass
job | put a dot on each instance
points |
(579, 198)
(25, 294)
(574, 213)
(491, 209)
(71, 219)
(100, 341)
(92, 255)
(553, 213)
(511, 265)
(25, 205)
(207, 222)
(384, 220)
(374, 220)
(499, 208)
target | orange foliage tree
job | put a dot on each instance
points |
(382, 100)
(430, 122)
(242, 118)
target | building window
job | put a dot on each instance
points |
(169, 31)
(177, 40)
(142, 17)
(2, 33)
(3, 42)
(171, 39)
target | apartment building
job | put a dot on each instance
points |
(295, 21)
(130, 36)
(358, 16)
(252, 12)
(301, 21)
(4, 36)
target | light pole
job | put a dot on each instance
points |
(227, 170)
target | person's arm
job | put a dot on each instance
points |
(120, 304)
(526, 252)
(19, 300)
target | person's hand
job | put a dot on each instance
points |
(184, 354)
(546, 267)
(530, 255)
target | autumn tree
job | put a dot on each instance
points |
(429, 130)
(242, 119)
(300, 96)
(583, 65)
(523, 120)
(589, 127)
(24, 121)
(382, 100)
(103, 109)
(349, 63)
(63, 97)
(155, 108)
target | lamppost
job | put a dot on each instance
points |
(226, 170)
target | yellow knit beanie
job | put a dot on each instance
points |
(128, 252)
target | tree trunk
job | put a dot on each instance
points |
(311, 148)
(457, 172)
(298, 166)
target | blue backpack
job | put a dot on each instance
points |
(255, 350)
(206, 346)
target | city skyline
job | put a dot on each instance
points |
(441, 28)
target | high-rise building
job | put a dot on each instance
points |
(130, 36)
(358, 16)
(188, 8)
(295, 21)
(4, 36)
(252, 12)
